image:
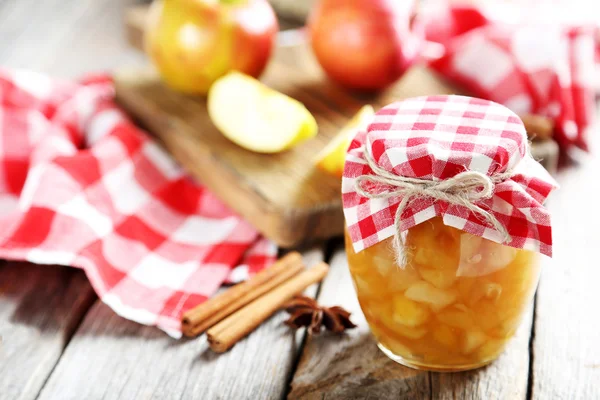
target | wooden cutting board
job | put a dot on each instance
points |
(283, 195)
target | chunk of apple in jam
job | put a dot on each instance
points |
(402, 278)
(480, 257)
(472, 340)
(440, 278)
(425, 292)
(409, 313)
(444, 335)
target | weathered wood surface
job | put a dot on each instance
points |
(566, 344)
(65, 38)
(40, 308)
(352, 367)
(111, 358)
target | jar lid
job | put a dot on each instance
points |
(457, 157)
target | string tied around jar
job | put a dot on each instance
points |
(464, 189)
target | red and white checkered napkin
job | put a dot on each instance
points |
(80, 185)
(435, 138)
(544, 67)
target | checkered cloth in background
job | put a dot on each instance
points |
(435, 138)
(529, 59)
(80, 185)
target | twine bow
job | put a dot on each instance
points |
(464, 189)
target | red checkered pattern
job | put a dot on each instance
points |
(435, 138)
(530, 66)
(260, 254)
(80, 185)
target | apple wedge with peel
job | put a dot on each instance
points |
(331, 158)
(257, 117)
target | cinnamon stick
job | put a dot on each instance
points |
(197, 320)
(228, 332)
(537, 126)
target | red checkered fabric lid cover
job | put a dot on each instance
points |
(435, 138)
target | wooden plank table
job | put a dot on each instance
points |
(59, 342)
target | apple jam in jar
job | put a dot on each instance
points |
(445, 225)
(455, 302)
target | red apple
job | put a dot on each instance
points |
(195, 42)
(363, 44)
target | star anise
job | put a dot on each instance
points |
(305, 311)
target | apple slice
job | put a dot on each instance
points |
(257, 117)
(331, 158)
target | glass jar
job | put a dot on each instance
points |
(454, 303)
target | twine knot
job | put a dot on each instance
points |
(465, 189)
